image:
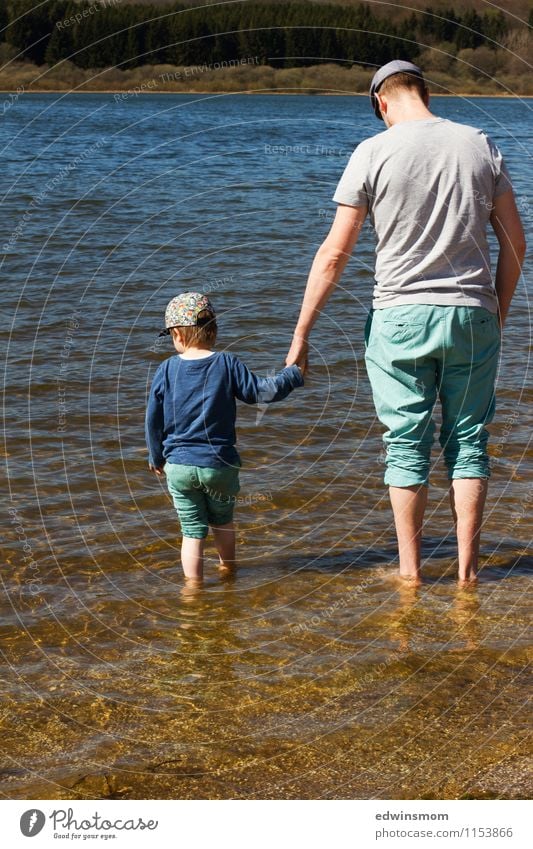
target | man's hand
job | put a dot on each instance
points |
(158, 472)
(298, 354)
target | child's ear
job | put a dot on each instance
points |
(178, 337)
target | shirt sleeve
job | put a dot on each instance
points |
(353, 187)
(251, 389)
(155, 420)
(502, 178)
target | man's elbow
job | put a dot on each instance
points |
(517, 248)
(331, 256)
(521, 248)
(513, 244)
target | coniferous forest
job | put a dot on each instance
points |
(96, 34)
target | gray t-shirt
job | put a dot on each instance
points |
(429, 186)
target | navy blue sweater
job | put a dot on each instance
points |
(190, 418)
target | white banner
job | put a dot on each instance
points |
(266, 824)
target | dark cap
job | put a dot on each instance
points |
(397, 66)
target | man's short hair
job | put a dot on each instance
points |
(403, 80)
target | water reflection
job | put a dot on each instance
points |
(465, 615)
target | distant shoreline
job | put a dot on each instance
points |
(132, 93)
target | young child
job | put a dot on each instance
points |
(190, 424)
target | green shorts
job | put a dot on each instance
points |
(202, 496)
(416, 354)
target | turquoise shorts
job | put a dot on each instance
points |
(416, 354)
(202, 496)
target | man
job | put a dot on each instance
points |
(430, 187)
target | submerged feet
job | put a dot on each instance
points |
(192, 588)
(413, 577)
(467, 581)
(227, 567)
(410, 578)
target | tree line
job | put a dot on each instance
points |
(95, 34)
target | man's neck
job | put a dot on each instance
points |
(400, 114)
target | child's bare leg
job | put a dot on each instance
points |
(224, 536)
(192, 558)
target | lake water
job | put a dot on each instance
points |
(311, 674)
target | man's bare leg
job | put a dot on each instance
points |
(467, 500)
(225, 544)
(408, 505)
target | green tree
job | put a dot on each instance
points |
(3, 22)
(157, 40)
(407, 33)
(62, 43)
(427, 22)
(446, 25)
(470, 34)
(190, 40)
(495, 26)
(31, 26)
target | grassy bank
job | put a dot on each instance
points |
(317, 79)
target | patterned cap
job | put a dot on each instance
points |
(183, 310)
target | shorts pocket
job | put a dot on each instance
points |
(182, 478)
(401, 330)
(477, 315)
(479, 322)
(222, 482)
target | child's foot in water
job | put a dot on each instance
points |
(192, 588)
(226, 570)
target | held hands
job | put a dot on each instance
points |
(298, 354)
(158, 472)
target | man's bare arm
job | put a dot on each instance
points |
(326, 271)
(505, 220)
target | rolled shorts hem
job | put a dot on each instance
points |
(221, 524)
(407, 480)
(456, 475)
(209, 523)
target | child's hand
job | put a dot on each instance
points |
(158, 472)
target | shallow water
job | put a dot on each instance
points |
(312, 673)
